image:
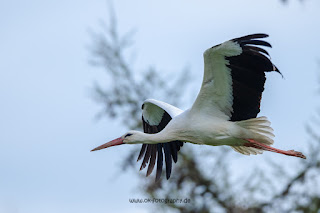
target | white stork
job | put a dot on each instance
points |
(224, 113)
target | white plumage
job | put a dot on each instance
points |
(224, 112)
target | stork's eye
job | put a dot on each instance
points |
(127, 135)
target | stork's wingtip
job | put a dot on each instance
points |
(168, 176)
(142, 167)
(261, 35)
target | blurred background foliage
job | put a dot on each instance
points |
(207, 179)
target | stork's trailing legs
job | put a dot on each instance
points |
(257, 145)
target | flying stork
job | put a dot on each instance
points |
(224, 112)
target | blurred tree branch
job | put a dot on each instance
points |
(208, 185)
(125, 94)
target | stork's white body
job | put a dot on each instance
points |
(199, 127)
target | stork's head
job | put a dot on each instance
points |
(131, 137)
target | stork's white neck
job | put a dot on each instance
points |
(140, 137)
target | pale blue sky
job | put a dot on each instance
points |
(47, 117)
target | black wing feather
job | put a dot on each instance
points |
(255, 42)
(252, 36)
(146, 157)
(248, 76)
(153, 156)
(168, 159)
(154, 152)
(257, 49)
(142, 151)
(159, 161)
(174, 152)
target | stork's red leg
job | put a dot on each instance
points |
(257, 145)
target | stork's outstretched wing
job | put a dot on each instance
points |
(155, 116)
(234, 77)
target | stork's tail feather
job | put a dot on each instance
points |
(260, 137)
(254, 144)
(260, 130)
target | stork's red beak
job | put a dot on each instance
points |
(115, 142)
